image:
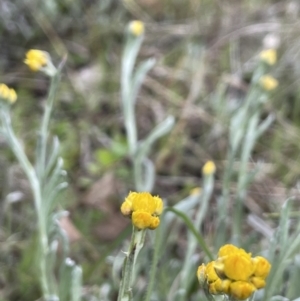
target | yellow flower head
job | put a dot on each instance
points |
(241, 290)
(8, 94)
(143, 208)
(235, 273)
(209, 168)
(269, 56)
(268, 82)
(38, 60)
(136, 28)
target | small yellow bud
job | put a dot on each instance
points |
(222, 286)
(136, 27)
(258, 282)
(154, 222)
(159, 205)
(38, 60)
(209, 168)
(269, 56)
(262, 267)
(8, 94)
(213, 289)
(268, 82)
(126, 208)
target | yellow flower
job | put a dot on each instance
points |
(268, 82)
(8, 94)
(241, 290)
(209, 168)
(143, 208)
(36, 59)
(136, 27)
(235, 273)
(269, 56)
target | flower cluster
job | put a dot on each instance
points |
(8, 94)
(38, 60)
(235, 273)
(268, 82)
(136, 28)
(143, 209)
(209, 168)
(269, 57)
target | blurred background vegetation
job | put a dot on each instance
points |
(200, 46)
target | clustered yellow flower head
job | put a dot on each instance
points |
(38, 60)
(8, 94)
(209, 168)
(136, 28)
(143, 209)
(269, 56)
(235, 273)
(268, 82)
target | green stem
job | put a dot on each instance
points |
(189, 266)
(43, 136)
(156, 256)
(223, 201)
(35, 186)
(243, 177)
(191, 227)
(136, 244)
(128, 60)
